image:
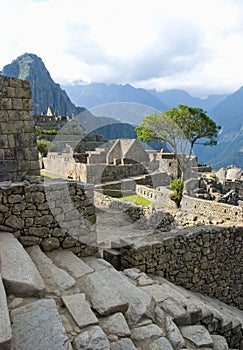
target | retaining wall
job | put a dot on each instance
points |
(192, 205)
(52, 214)
(205, 260)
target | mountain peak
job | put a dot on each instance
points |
(45, 92)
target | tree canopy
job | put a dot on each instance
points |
(181, 128)
(183, 123)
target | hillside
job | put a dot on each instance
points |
(228, 114)
(45, 92)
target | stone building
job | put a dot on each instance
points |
(110, 161)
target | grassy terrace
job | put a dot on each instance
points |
(137, 200)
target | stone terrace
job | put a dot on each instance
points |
(56, 300)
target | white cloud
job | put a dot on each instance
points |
(195, 45)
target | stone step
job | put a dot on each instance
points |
(226, 314)
(174, 304)
(38, 326)
(216, 315)
(20, 276)
(141, 304)
(80, 310)
(93, 338)
(102, 295)
(5, 325)
(56, 279)
(187, 299)
(68, 261)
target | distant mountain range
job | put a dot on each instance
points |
(174, 97)
(120, 107)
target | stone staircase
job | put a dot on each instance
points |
(55, 301)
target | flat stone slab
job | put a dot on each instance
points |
(55, 278)
(92, 339)
(173, 334)
(197, 335)
(20, 276)
(219, 342)
(80, 310)
(37, 326)
(123, 344)
(97, 263)
(103, 297)
(150, 332)
(141, 304)
(5, 326)
(115, 324)
(160, 344)
(68, 261)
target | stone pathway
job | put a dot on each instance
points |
(90, 305)
(113, 224)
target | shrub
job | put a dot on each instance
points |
(177, 187)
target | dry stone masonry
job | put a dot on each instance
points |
(52, 214)
(18, 150)
(206, 260)
(54, 295)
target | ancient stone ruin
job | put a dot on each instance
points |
(57, 294)
(18, 150)
(52, 214)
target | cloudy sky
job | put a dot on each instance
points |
(195, 45)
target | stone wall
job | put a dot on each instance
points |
(211, 209)
(52, 214)
(65, 165)
(145, 216)
(159, 196)
(207, 208)
(205, 260)
(18, 150)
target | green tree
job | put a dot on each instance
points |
(43, 147)
(181, 128)
(177, 187)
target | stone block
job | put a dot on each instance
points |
(6, 103)
(115, 324)
(20, 276)
(104, 298)
(38, 326)
(80, 310)
(197, 335)
(50, 243)
(5, 325)
(92, 339)
(173, 334)
(160, 344)
(113, 256)
(17, 103)
(54, 277)
(123, 344)
(69, 262)
(14, 82)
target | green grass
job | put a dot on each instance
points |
(137, 200)
(48, 175)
